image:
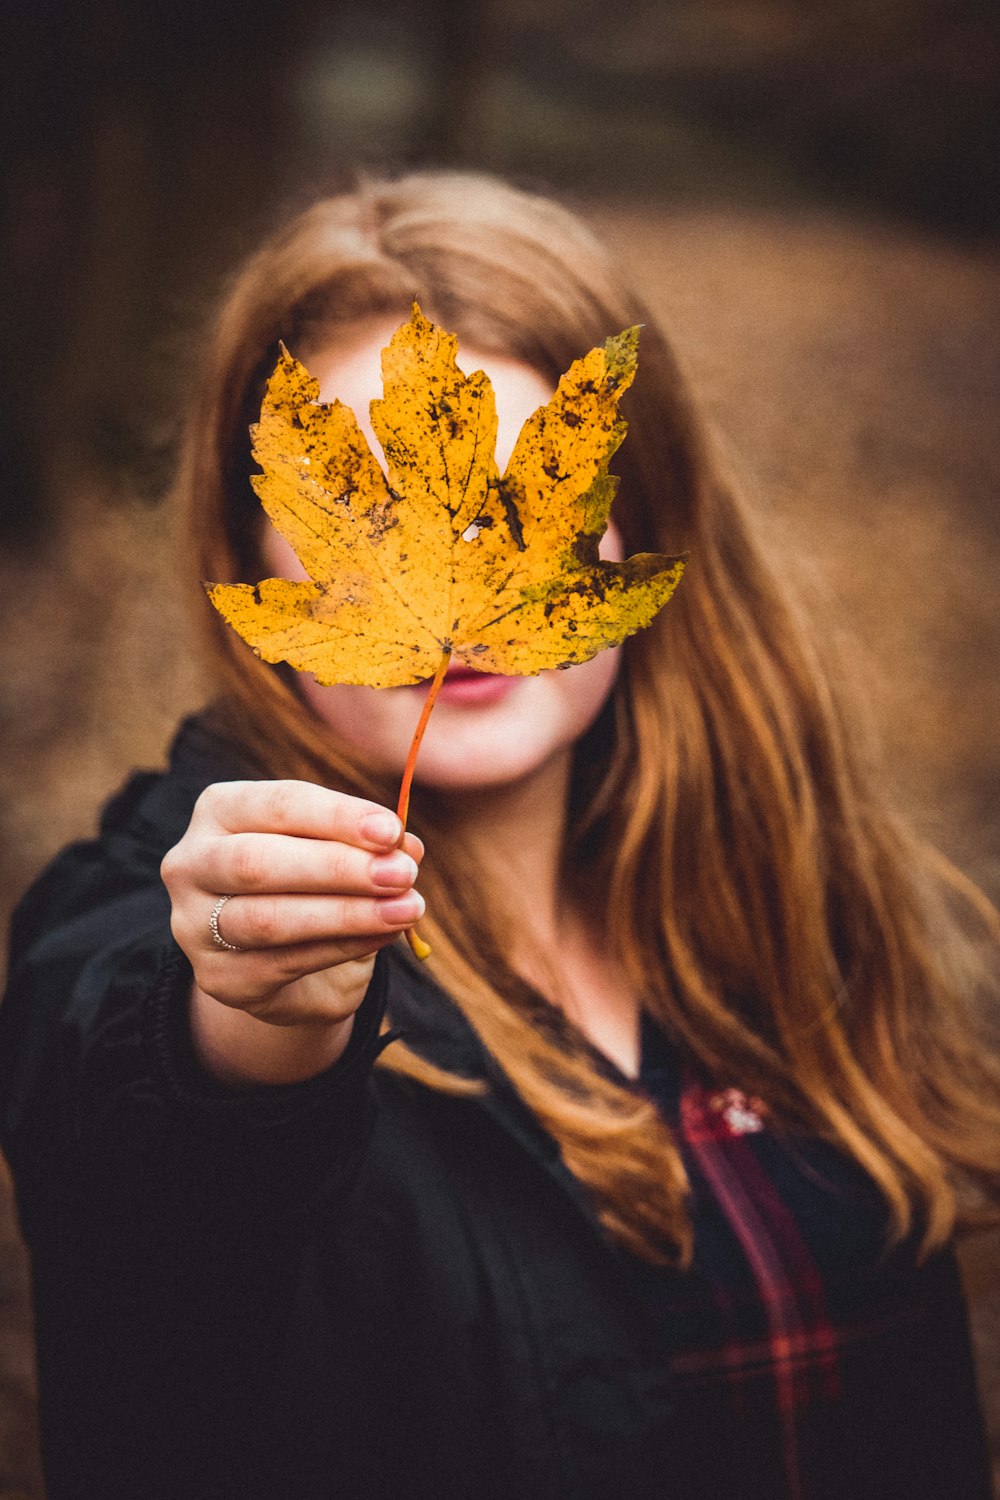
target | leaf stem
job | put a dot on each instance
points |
(419, 948)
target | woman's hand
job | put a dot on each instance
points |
(317, 885)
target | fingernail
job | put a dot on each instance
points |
(402, 909)
(381, 828)
(394, 871)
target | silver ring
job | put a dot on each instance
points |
(213, 923)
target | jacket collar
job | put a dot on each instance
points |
(423, 1015)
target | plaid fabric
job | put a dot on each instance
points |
(811, 1361)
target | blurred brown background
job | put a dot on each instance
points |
(806, 192)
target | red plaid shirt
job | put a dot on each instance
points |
(813, 1361)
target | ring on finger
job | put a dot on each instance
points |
(213, 922)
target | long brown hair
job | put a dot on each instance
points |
(784, 928)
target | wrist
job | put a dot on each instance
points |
(238, 1049)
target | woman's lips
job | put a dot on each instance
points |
(464, 686)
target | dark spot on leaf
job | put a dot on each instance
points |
(512, 517)
(381, 518)
(572, 418)
(436, 410)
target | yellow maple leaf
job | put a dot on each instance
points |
(442, 557)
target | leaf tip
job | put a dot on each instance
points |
(287, 363)
(621, 354)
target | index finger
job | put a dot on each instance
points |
(301, 809)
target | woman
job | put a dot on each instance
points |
(651, 1187)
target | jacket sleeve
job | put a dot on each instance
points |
(115, 1137)
(164, 1214)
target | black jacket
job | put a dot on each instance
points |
(351, 1287)
(348, 1287)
